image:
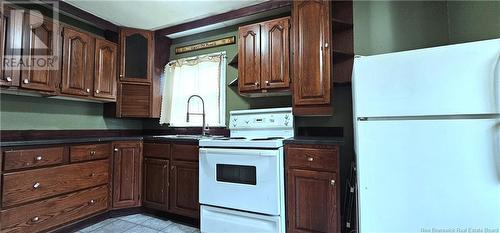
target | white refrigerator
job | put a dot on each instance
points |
(427, 139)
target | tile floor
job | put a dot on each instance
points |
(138, 223)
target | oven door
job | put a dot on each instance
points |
(242, 179)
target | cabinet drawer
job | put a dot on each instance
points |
(49, 213)
(25, 186)
(312, 158)
(29, 158)
(185, 152)
(156, 150)
(89, 152)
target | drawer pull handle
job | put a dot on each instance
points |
(116, 149)
(310, 159)
(92, 174)
(35, 219)
(92, 202)
(332, 182)
(36, 185)
(92, 153)
(39, 158)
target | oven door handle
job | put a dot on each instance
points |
(205, 151)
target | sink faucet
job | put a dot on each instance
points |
(204, 130)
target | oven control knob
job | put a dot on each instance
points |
(247, 121)
(286, 123)
(286, 117)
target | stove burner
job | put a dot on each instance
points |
(267, 139)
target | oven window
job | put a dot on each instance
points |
(239, 174)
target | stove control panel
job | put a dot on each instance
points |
(273, 118)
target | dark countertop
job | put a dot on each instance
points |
(93, 140)
(315, 140)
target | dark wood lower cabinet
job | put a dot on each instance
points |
(127, 170)
(184, 189)
(155, 183)
(312, 192)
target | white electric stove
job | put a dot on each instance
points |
(242, 177)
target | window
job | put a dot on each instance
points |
(202, 75)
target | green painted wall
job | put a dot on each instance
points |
(473, 20)
(28, 113)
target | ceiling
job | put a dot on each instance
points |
(156, 14)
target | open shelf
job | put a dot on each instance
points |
(234, 62)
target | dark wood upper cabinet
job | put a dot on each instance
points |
(134, 100)
(275, 53)
(155, 184)
(105, 75)
(78, 61)
(38, 40)
(136, 60)
(312, 57)
(249, 58)
(184, 189)
(127, 168)
(11, 43)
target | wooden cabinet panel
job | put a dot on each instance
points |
(49, 213)
(249, 58)
(89, 152)
(156, 150)
(31, 158)
(38, 40)
(312, 58)
(311, 202)
(137, 55)
(10, 37)
(135, 100)
(275, 50)
(127, 168)
(78, 60)
(185, 152)
(105, 74)
(25, 186)
(312, 158)
(184, 189)
(155, 184)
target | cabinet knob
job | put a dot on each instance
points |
(92, 202)
(39, 158)
(121, 75)
(332, 182)
(256, 84)
(116, 149)
(88, 90)
(36, 185)
(9, 79)
(92, 174)
(326, 45)
(172, 168)
(310, 159)
(35, 219)
(92, 153)
(267, 83)
(97, 91)
(26, 81)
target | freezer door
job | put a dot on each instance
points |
(448, 80)
(418, 175)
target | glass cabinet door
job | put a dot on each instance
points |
(136, 53)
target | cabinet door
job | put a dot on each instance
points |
(311, 202)
(184, 189)
(155, 185)
(105, 69)
(249, 58)
(38, 42)
(134, 100)
(275, 47)
(127, 163)
(11, 43)
(78, 60)
(136, 55)
(311, 32)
